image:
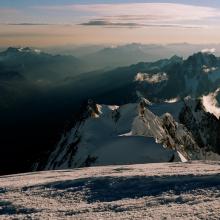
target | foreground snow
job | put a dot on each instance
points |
(148, 191)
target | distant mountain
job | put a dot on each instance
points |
(37, 111)
(36, 65)
(164, 79)
(161, 81)
(77, 51)
(111, 57)
(123, 55)
(7, 75)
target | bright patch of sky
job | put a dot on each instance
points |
(57, 11)
(94, 17)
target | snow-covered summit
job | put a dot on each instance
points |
(127, 134)
(111, 136)
(16, 50)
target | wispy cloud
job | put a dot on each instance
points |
(29, 24)
(132, 24)
(141, 14)
(108, 23)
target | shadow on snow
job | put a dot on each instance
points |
(108, 189)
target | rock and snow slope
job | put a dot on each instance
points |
(204, 126)
(149, 191)
(110, 135)
(129, 134)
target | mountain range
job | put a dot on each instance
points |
(44, 106)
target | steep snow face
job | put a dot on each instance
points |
(144, 191)
(124, 135)
(211, 104)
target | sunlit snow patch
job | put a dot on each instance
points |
(208, 50)
(173, 100)
(211, 104)
(183, 159)
(207, 69)
(151, 78)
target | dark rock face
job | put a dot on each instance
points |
(179, 136)
(204, 126)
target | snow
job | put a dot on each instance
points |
(174, 108)
(151, 78)
(207, 69)
(146, 191)
(129, 139)
(149, 126)
(113, 107)
(128, 134)
(173, 100)
(131, 150)
(183, 159)
(208, 50)
(211, 104)
(27, 50)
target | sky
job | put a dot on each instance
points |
(63, 22)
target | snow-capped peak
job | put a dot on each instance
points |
(127, 134)
(22, 50)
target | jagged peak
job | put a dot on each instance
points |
(176, 59)
(21, 50)
(94, 109)
(201, 58)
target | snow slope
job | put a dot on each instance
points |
(211, 104)
(146, 191)
(127, 134)
(112, 136)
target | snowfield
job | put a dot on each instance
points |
(146, 191)
(211, 104)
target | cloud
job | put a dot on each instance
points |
(139, 14)
(29, 24)
(208, 50)
(153, 9)
(108, 23)
(131, 24)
